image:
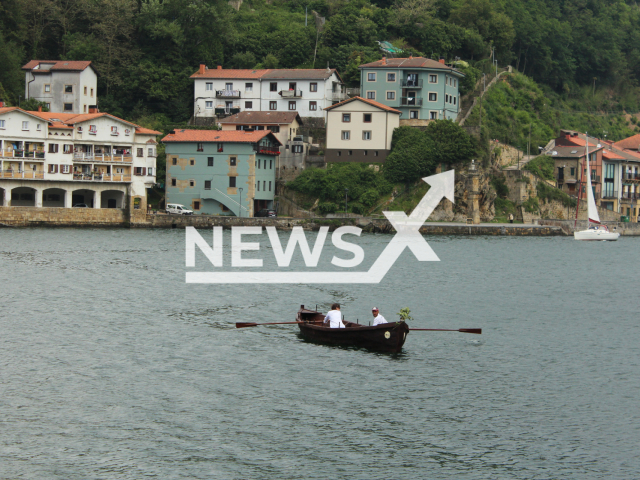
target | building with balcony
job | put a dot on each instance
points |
(284, 125)
(222, 172)
(360, 130)
(569, 154)
(60, 159)
(629, 149)
(64, 85)
(420, 88)
(220, 92)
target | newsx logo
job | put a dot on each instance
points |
(407, 236)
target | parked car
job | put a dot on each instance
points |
(266, 212)
(176, 208)
(80, 205)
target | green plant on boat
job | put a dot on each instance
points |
(404, 314)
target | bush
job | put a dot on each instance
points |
(542, 166)
(549, 193)
(500, 187)
(327, 207)
(531, 205)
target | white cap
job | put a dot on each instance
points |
(375, 309)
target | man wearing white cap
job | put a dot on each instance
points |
(377, 318)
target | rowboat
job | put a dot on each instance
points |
(388, 337)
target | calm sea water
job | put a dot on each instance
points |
(112, 367)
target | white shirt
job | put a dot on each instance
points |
(335, 319)
(379, 320)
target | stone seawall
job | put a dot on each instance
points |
(627, 229)
(62, 217)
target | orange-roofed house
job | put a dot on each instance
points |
(64, 85)
(360, 130)
(629, 148)
(217, 172)
(94, 160)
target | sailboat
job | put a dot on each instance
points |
(595, 231)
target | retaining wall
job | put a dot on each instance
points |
(63, 217)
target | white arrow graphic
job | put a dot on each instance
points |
(408, 235)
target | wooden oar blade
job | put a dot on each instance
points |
(245, 324)
(471, 330)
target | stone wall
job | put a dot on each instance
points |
(624, 228)
(414, 122)
(62, 217)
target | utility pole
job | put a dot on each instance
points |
(529, 144)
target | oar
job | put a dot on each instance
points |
(461, 330)
(251, 324)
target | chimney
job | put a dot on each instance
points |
(410, 56)
(202, 69)
(93, 109)
(40, 108)
(328, 69)
(442, 60)
(384, 60)
(1, 103)
(219, 67)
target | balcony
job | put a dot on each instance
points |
(268, 151)
(97, 177)
(291, 93)
(610, 194)
(224, 112)
(29, 174)
(10, 153)
(630, 196)
(227, 93)
(90, 157)
(633, 177)
(411, 83)
(411, 102)
(339, 96)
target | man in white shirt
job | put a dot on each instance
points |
(377, 318)
(334, 317)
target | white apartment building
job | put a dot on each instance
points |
(220, 92)
(360, 130)
(61, 160)
(64, 85)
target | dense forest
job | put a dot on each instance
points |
(145, 50)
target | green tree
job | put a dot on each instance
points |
(452, 144)
(412, 156)
(31, 104)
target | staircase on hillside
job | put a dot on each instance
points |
(469, 101)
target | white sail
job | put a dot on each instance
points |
(591, 201)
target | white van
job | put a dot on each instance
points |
(178, 209)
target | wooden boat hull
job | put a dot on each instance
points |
(388, 337)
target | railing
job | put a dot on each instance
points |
(411, 83)
(266, 151)
(227, 93)
(411, 101)
(102, 177)
(90, 157)
(37, 175)
(10, 153)
(610, 194)
(631, 176)
(353, 92)
(630, 196)
(290, 93)
(339, 96)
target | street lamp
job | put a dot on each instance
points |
(240, 211)
(346, 192)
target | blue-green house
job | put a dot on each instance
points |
(221, 172)
(421, 88)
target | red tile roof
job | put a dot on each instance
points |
(609, 155)
(632, 143)
(56, 65)
(230, 73)
(412, 62)
(365, 100)
(221, 136)
(273, 74)
(147, 131)
(261, 118)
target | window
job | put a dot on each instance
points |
(292, 86)
(454, 100)
(192, 162)
(228, 86)
(350, 152)
(433, 97)
(371, 77)
(433, 115)
(366, 135)
(366, 118)
(25, 125)
(38, 127)
(297, 149)
(209, 86)
(209, 161)
(79, 129)
(573, 171)
(270, 164)
(391, 95)
(273, 87)
(273, 105)
(149, 171)
(221, 147)
(208, 105)
(313, 87)
(191, 182)
(264, 185)
(53, 148)
(140, 152)
(292, 105)
(48, 106)
(85, 90)
(121, 170)
(258, 186)
(413, 114)
(173, 181)
(93, 129)
(248, 104)
(233, 161)
(85, 109)
(433, 78)
(2, 124)
(455, 83)
(375, 154)
(174, 161)
(196, 205)
(67, 148)
(313, 106)
(114, 130)
(274, 128)
(47, 88)
(269, 185)
(68, 107)
(346, 117)
(365, 152)
(248, 87)
(346, 134)
(150, 152)
(446, 98)
(68, 89)
(92, 92)
(391, 77)
(53, 168)
(338, 153)
(232, 182)
(259, 161)
(371, 95)
(66, 168)
(207, 184)
(199, 147)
